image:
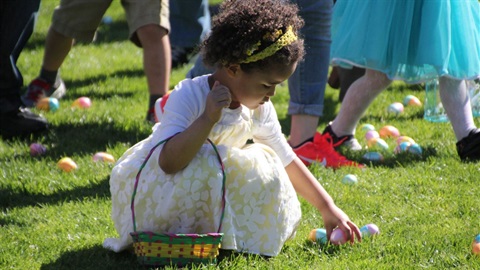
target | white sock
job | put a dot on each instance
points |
(456, 102)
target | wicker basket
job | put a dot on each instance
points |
(159, 249)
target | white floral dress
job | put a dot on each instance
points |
(262, 210)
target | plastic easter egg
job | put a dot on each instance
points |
(402, 147)
(82, 102)
(367, 127)
(377, 143)
(415, 149)
(395, 108)
(475, 248)
(349, 179)
(389, 132)
(338, 237)
(102, 156)
(48, 104)
(318, 236)
(371, 134)
(107, 20)
(369, 230)
(373, 156)
(66, 164)
(37, 149)
(411, 100)
(405, 139)
(477, 238)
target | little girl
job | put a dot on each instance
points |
(413, 41)
(253, 46)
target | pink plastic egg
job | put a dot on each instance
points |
(82, 102)
(102, 156)
(371, 134)
(338, 237)
(389, 132)
(369, 230)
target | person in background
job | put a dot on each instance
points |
(148, 22)
(17, 20)
(253, 46)
(189, 22)
(413, 41)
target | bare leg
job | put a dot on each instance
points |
(357, 99)
(302, 128)
(57, 47)
(156, 57)
(456, 102)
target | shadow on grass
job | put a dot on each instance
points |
(12, 199)
(391, 160)
(93, 258)
(99, 258)
(86, 138)
(129, 73)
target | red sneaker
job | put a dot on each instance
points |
(322, 152)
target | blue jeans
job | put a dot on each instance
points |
(307, 84)
(17, 20)
(189, 22)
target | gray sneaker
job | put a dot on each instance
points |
(39, 89)
(347, 141)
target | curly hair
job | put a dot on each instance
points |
(241, 24)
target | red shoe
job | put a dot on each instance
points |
(322, 152)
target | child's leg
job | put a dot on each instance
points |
(456, 102)
(359, 96)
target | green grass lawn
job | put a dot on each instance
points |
(425, 206)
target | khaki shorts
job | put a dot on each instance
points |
(79, 19)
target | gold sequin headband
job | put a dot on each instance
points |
(283, 40)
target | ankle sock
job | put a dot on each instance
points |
(50, 76)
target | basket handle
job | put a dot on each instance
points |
(132, 204)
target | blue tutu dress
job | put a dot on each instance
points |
(409, 40)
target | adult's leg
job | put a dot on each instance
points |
(307, 84)
(149, 25)
(156, 57)
(71, 20)
(17, 20)
(190, 22)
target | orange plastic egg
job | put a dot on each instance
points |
(66, 164)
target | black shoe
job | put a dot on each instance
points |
(181, 56)
(21, 122)
(347, 141)
(468, 148)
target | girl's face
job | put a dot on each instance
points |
(255, 88)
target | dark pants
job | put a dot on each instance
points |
(17, 20)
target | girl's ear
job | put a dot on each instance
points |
(233, 70)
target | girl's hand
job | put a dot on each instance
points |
(218, 98)
(334, 217)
